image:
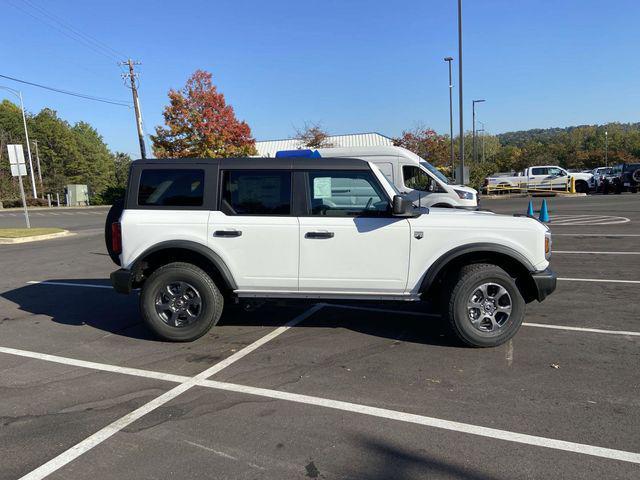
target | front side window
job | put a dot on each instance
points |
(539, 171)
(256, 192)
(416, 179)
(346, 194)
(556, 172)
(171, 188)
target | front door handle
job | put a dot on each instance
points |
(318, 235)
(227, 233)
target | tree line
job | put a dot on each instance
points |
(69, 154)
(579, 147)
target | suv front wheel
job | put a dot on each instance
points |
(485, 307)
(180, 302)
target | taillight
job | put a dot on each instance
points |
(116, 238)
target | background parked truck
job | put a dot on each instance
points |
(542, 177)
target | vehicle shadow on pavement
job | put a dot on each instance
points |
(104, 309)
(401, 463)
(99, 308)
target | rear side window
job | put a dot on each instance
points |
(171, 188)
(256, 192)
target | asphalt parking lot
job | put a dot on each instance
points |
(322, 391)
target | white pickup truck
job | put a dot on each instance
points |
(544, 177)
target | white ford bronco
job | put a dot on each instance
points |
(194, 233)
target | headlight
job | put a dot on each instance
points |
(464, 195)
(547, 245)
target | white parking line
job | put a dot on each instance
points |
(101, 435)
(579, 252)
(597, 280)
(582, 329)
(524, 324)
(494, 433)
(201, 380)
(67, 284)
(596, 235)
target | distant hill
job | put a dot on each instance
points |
(549, 135)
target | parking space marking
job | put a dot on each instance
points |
(587, 220)
(596, 234)
(524, 324)
(582, 329)
(201, 380)
(495, 433)
(105, 367)
(105, 433)
(580, 252)
(68, 284)
(598, 280)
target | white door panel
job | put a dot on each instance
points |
(364, 254)
(260, 250)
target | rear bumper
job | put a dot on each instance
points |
(122, 280)
(545, 282)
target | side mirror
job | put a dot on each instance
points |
(401, 207)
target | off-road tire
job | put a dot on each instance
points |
(212, 301)
(113, 216)
(460, 286)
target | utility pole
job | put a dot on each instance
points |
(453, 170)
(132, 76)
(35, 142)
(460, 92)
(606, 148)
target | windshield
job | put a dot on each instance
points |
(435, 171)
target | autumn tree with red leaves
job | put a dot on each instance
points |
(199, 123)
(426, 143)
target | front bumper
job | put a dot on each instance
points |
(545, 282)
(122, 280)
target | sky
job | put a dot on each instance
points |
(352, 66)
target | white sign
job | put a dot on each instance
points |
(322, 187)
(16, 160)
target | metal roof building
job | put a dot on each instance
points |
(269, 148)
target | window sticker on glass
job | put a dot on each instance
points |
(322, 187)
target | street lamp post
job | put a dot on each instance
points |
(460, 92)
(18, 94)
(606, 148)
(473, 107)
(449, 60)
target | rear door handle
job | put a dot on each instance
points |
(318, 235)
(227, 233)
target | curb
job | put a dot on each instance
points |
(35, 238)
(55, 209)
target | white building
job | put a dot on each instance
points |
(268, 148)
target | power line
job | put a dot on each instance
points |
(69, 33)
(60, 21)
(121, 103)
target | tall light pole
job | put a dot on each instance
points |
(449, 60)
(460, 92)
(606, 148)
(18, 94)
(473, 107)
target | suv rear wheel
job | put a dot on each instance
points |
(485, 307)
(180, 302)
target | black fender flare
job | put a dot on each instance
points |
(436, 268)
(195, 247)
